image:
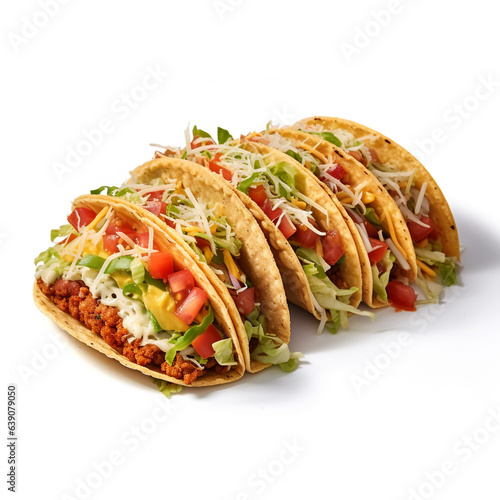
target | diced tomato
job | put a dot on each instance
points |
(337, 172)
(181, 280)
(332, 247)
(81, 217)
(358, 156)
(419, 232)
(110, 242)
(305, 237)
(258, 194)
(155, 195)
(161, 265)
(272, 213)
(156, 207)
(120, 226)
(370, 229)
(379, 248)
(201, 243)
(245, 301)
(402, 297)
(142, 239)
(170, 223)
(214, 166)
(203, 343)
(373, 154)
(67, 240)
(286, 227)
(359, 219)
(191, 305)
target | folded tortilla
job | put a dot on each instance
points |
(182, 260)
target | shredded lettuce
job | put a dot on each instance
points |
(446, 273)
(380, 281)
(64, 231)
(50, 255)
(270, 348)
(445, 265)
(285, 172)
(50, 258)
(430, 288)
(327, 294)
(166, 388)
(429, 256)
(224, 352)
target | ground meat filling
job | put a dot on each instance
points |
(74, 297)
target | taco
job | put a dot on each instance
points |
(422, 203)
(380, 234)
(207, 219)
(118, 283)
(308, 237)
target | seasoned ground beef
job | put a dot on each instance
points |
(74, 297)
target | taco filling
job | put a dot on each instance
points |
(209, 234)
(114, 280)
(271, 185)
(435, 269)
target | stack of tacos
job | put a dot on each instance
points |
(183, 271)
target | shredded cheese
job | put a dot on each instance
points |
(313, 151)
(393, 233)
(421, 194)
(426, 269)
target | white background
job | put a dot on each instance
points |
(238, 64)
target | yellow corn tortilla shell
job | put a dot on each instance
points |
(256, 259)
(181, 259)
(391, 152)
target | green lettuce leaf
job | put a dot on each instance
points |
(224, 354)
(380, 280)
(223, 135)
(166, 388)
(197, 132)
(446, 273)
(294, 155)
(285, 172)
(329, 137)
(64, 231)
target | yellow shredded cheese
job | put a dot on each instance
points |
(393, 234)
(426, 269)
(311, 150)
(233, 267)
(208, 254)
(299, 204)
